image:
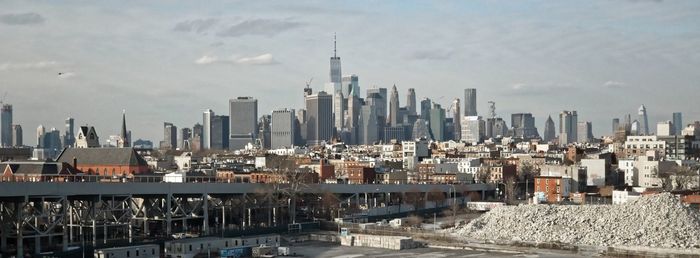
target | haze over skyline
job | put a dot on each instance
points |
(170, 63)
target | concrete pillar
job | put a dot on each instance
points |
(145, 226)
(223, 216)
(184, 223)
(19, 207)
(249, 216)
(168, 214)
(4, 223)
(131, 232)
(70, 221)
(105, 236)
(205, 208)
(483, 195)
(94, 233)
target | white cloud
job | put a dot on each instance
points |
(264, 59)
(264, 27)
(206, 60)
(614, 84)
(22, 66)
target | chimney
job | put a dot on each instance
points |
(75, 163)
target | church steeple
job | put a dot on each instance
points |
(124, 133)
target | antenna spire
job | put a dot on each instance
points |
(334, 46)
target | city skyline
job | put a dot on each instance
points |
(605, 75)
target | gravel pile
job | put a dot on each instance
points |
(659, 220)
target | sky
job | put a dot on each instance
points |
(170, 60)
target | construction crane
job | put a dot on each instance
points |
(307, 90)
(308, 83)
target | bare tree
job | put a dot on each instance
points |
(483, 175)
(288, 180)
(510, 188)
(683, 178)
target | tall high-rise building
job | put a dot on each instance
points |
(437, 122)
(664, 128)
(456, 120)
(615, 125)
(549, 132)
(473, 128)
(643, 121)
(353, 112)
(339, 110)
(40, 131)
(425, 106)
(206, 129)
(17, 135)
(394, 107)
(335, 74)
(169, 136)
(243, 116)
(368, 132)
(186, 138)
(380, 102)
(6, 125)
(219, 133)
(524, 126)
(283, 129)
(197, 139)
(264, 132)
(421, 130)
(124, 136)
(411, 102)
(319, 118)
(351, 84)
(678, 123)
(568, 123)
(470, 102)
(69, 135)
(585, 132)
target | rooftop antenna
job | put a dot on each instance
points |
(334, 46)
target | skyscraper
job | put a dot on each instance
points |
(643, 121)
(264, 132)
(6, 125)
(524, 126)
(186, 138)
(169, 136)
(437, 122)
(16, 135)
(585, 132)
(456, 120)
(678, 123)
(421, 130)
(470, 102)
(196, 141)
(425, 106)
(381, 102)
(353, 114)
(40, 131)
(219, 133)
(283, 128)
(549, 132)
(206, 129)
(339, 110)
(335, 74)
(351, 84)
(615, 125)
(568, 123)
(394, 107)
(319, 118)
(69, 135)
(473, 128)
(243, 116)
(368, 130)
(411, 102)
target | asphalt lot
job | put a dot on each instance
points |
(332, 250)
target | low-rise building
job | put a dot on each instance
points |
(553, 188)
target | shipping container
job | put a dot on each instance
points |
(140, 251)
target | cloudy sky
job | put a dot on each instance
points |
(168, 61)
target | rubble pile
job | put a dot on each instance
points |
(659, 220)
